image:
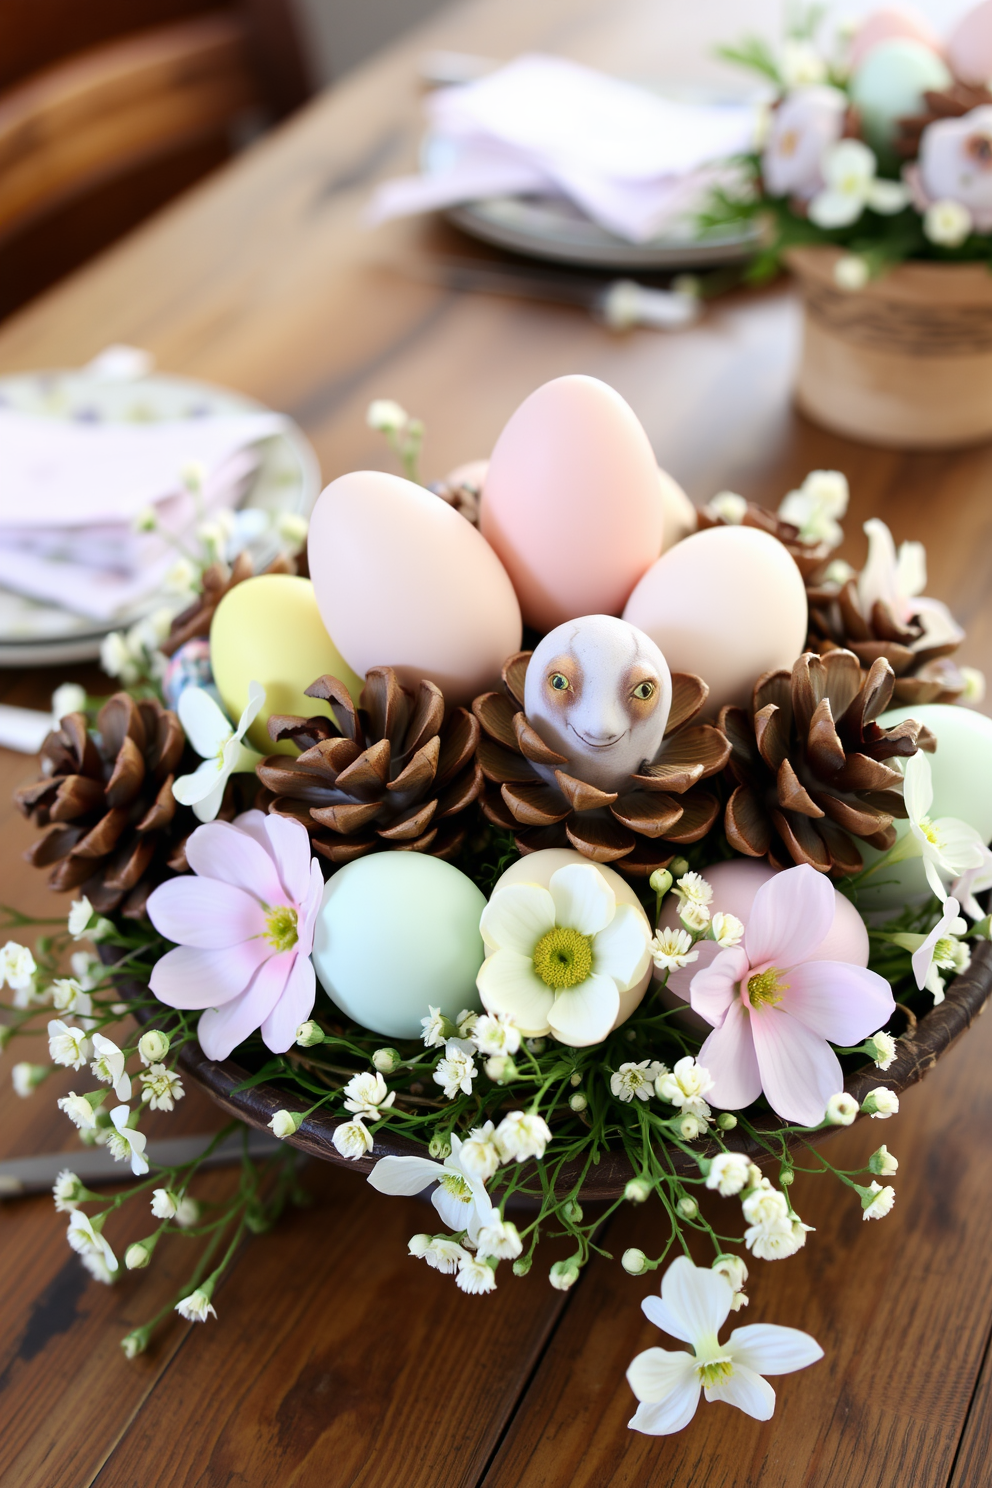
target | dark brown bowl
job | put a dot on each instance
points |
(918, 1052)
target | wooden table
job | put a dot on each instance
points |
(336, 1360)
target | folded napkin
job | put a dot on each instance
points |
(632, 161)
(70, 495)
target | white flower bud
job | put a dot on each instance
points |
(153, 1046)
(880, 1104)
(877, 1201)
(309, 1034)
(851, 272)
(137, 1256)
(726, 1121)
(637, 1190)
(727, 506)
(285, 1123)
(660, 881)
(841, 1109)
(386, 416)
(563, 1275)
(577, 1101)
(882, 1048)
(634, 1261)
(883, 1163)
(687, 1207)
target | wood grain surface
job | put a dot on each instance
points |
(337, 1361)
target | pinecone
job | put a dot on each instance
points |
(115, 826)
(636, 831)
(810, 558)
(809, 763)
(194, 622)
(393, 773)
(922, 674)
(949, 103)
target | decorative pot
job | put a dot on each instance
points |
(904, 362)
(918, 1053)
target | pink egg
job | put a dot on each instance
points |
(735, 884)
(889, 24)
(572, 502)
(969, 46)
(402, 580)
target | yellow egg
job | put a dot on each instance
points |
(268, 629)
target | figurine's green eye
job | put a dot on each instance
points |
(644, 690)
(559, 681)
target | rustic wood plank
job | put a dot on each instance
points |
(971, 1465)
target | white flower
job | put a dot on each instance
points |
(221, 747)
(180, 579)
(947, 223)
(728, 507)
(386, 416)
(164, 1203)
(851, 272)
(499, 1239)
(86, 1237)
(897, 580)
(352, 1139)
(496, 1034)
(883, 1163)
(880, 1104)
(292, 530)
(817, 506)
(632, 1080)
(69, 997)
(734, 1272)
(434, 1026)
(197, 1307)
(68, 1046)
(947, 846)
(521, 1135)
(694, 1304)
(475, 1276)
(685, 1087)
(460, 1196)
(801, 128)
(80, 915)
(695, 917)
(672, 949)
(67, 1191)
(694, 889)
(940, 951)
(187, 1212)
(284, 1124)
(118, 660)
(727, 930)
(153, 1046)
(456, 1071)
(851, 185)
(842, 1109)
(879, 1206)
(972, 882)
(973, 692)
(766, 1207)
(500, 1068)
(17, 967)
(80, 1111)
(68, 698)
(561, 956)
(366, 1095)
(479, 1153)
(161, 1088)
(882, 1047)
(800, 64)
(108, 1066)
(125, 1144)
(953, 166)
(439, 1251)
(728, 1174)
(776, 1242)
(465, 1023)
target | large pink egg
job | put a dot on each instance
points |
(402, 580)
(969, 46)
(728, 604)
(572, 502)
(890, 24)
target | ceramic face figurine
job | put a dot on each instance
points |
(599, 691)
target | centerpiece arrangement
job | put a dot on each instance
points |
(874, 186)
(533, 852)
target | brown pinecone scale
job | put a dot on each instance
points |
(636, 830)
(393, 773)
(114, 826)
(218, 579)
(810, 764)
(810, 558)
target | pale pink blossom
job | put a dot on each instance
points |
(773, 1008)
(243, 927)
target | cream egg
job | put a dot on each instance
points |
(599, 691)
(397, 933)
(572, 501)
(403, 581)
(890, 84)
(268, 629)
(728, 604)
(969, 46)
(679, 514)
(538, 868)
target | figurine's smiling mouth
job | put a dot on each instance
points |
(597, 743)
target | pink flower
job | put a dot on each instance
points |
(772, 1008)
(244, 931)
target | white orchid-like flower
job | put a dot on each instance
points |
(561, 956)
(460, 1196)
(68, 1046)
(694, 1305)
(85, 1235)
(974, 881)
(222, 748)
(852, 184)
(125, 1144)
(816, 506)
(801, 129)
(108, 1066)
(897, 580)
(939, 951)
(948, 847)
(947, 223)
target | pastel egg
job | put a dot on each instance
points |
(886, 25)
(961, 771)
(890, 84)
(678, 513)
(572, 502)
(969, 46)
(268, 629)
(728, 604)
(538, 867)
(397, 933)
(403, 581)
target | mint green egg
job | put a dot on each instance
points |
(890, 84)
(398, 932)
(961, 770)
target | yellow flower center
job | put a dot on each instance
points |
(563, 958)
(281, 928)
(764, 989)
(455, 1185)
(929, 831)
(715, 1372)
(788, 143)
